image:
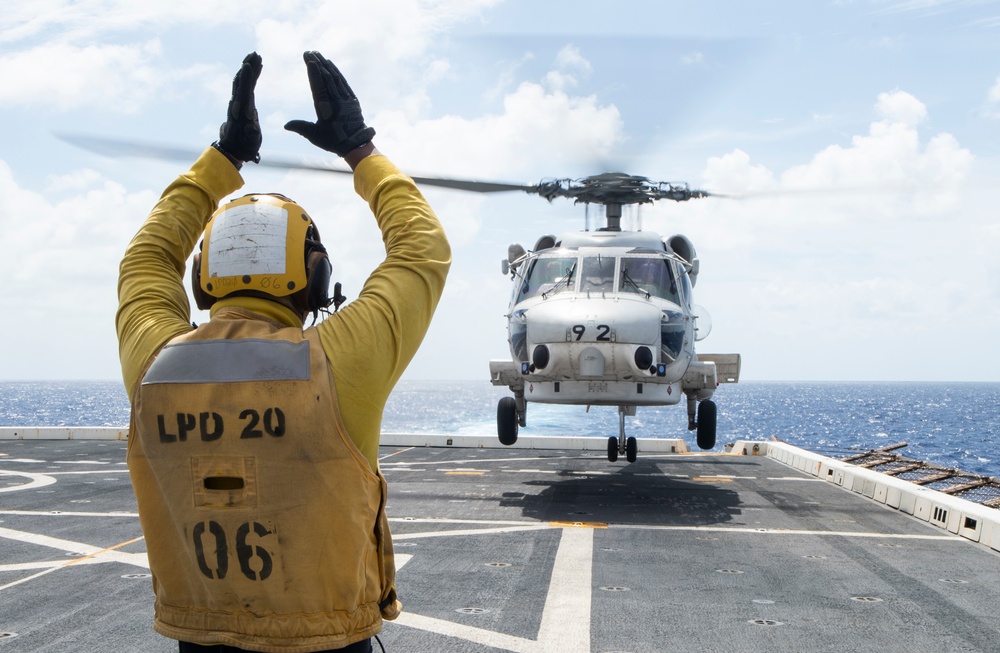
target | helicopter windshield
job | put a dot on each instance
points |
(649, 276)
(547, 276)
(598, 274)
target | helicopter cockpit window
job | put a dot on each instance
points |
(598, 274)
(649, 276)
(547, 276)
(686, 284)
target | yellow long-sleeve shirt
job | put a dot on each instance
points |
(368, 343)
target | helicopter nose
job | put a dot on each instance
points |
(591, 362)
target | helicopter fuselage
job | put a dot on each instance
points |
(606, 318)
(603, 318)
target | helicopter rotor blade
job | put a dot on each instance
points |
(471, 185)
(811, 192)
(610, 187)
(113, 147)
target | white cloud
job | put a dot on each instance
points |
(901, 107)
(541, 124)
(864, 253)
(74, 233)
(569, 58)
(890, 171)
(73, 64)
(380, 46)
(733, 172)
(62, 76)
(890, 157)
(570, 66)
(535, 127)
(61, 274)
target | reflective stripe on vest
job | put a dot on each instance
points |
(230, 361)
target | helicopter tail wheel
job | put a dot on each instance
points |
(612, 448)
(507, 420)
(706, 424)
(631, 449)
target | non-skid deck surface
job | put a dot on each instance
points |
(522, 550)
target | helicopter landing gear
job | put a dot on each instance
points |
(622, 445)
(705, 420)
(507, 420)
(706, 424)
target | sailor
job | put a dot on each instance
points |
(253, 441)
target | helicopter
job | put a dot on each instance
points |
(595, 318)
(607, 317)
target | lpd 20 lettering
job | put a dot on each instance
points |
(210, 426)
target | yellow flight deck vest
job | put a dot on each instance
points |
(264, 524)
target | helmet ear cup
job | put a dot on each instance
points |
(202, 299)
(318, 273)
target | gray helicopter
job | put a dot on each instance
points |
(607, 317)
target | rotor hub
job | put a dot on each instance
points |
(615, 188)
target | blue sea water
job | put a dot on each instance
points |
(951, 424)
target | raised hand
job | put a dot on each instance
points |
(339, 126)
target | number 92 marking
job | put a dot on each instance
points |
(603, 332)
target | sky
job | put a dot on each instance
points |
(861, 138)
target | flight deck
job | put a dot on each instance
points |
(545, 549)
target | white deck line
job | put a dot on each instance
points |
(956, 515)
(587, 443)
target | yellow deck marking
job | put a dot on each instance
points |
(577, 524)
(396, 453)
(464, 473)
(97, 553)
(70, 563)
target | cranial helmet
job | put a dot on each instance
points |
(262, 246)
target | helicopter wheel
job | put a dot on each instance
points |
(612, 448)
(706, 424)
(507, 420)
(631, 449)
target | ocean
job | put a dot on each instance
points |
(950, 424)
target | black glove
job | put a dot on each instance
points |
(239, 136)
(339, 127)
